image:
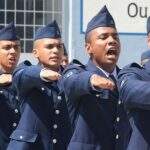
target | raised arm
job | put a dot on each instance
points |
(26, 76)
(78, 82)
(134, 87)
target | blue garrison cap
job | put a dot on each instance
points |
(145, 55)
(148, 25)
(102, 19)
(49, 31)
(9, 33)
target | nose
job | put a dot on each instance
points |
(55, 49)
(12, 50)
(112, 40)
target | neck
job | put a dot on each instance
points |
(52, 68)
(6, 70)
(107, 67)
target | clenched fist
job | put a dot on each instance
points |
(101, 82)
(49, 75)
(5, 79)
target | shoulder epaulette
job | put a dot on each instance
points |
(135, 65)
(77, 63)
(74, 64)
(22, 65)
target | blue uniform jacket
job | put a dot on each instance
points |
(9, 113)
(92, 112)
(134, 86)
(44, 123)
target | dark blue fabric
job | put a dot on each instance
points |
(8, 33)
(102, 19)
(9, 113)
(92, 112)
(49, 31)
(42, 106)
(134, 89)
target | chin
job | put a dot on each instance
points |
(112, 61)
(54, 66)
(12, 66)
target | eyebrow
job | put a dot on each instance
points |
(108, 33)
(17, 44)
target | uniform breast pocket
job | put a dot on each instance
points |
(21, 135)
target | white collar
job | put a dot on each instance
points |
(114, 73)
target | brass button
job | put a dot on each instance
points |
(14, 124)
(16, 111)
(119, 102)
(42, 88)
(57, 111)
(118, 119)
(117, 137)
(55, 126)
(54, 141)
(97, 95)
(59, 97)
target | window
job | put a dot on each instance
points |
(19, 4)
(2, 4)
(1, 16)
(20, 31)
(19, 18)
(47, 17)
(29, 15)
(28, 45)
(29, 32)
(30, 5)
(38, 18)
(10, 16)
(39, 5)
(29, 18)
(10, 4)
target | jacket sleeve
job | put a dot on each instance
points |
(76, 83)
(26, 77)
(134, 89)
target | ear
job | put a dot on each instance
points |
(35, 53)
(88, 48)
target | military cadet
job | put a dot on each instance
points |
(44, 123)
(134, 87)
(9, 55)
(145, 57)
(134, 92)
(64, 61)
(92, 96)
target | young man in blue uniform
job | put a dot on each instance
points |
(92, 95)
(44, 123)
(135, 92)
(9, 55)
